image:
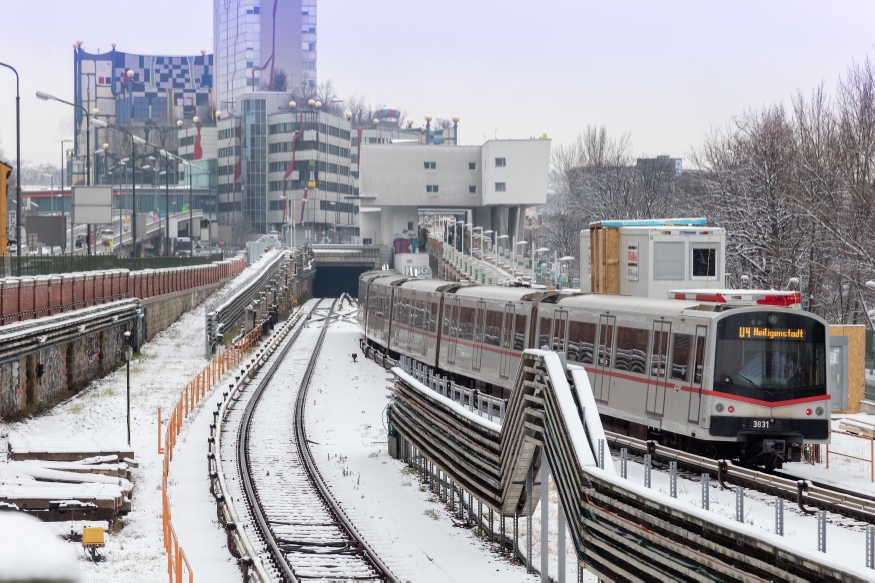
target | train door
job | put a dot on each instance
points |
(560, 324)
(656, 384)
(602, 386)
(453, 340)
(479, 328)
(507, 333)
(698, 366)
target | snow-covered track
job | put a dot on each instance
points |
(304, 531)
(806, 494)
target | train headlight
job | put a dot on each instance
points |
(808, 411)
(719, 407)
(731, 409)
(819, 411)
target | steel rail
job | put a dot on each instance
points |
(804, 493)
(224, 498)
(243, 463)
(315, 475)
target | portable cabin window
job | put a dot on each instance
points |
(703, 261)
(494, 323)
(659, 359)
(466, 323)
(581, 338)
(433, 317)
(544, 332)
(668, 261)
(519, 333)
(631, 349)
(680, 357)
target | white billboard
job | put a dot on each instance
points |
(92, 204)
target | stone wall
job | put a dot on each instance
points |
(162, 311)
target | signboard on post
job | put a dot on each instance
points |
(50, 230)
(173, 229)
(92, 205)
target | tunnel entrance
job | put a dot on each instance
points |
(331, 281)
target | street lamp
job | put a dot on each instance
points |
(535, 254)
(564, 276)
(481, 241)
(46, 97)
(17, 166)
(129, 353)
(134, 141)
(745, 281)
(523, 243)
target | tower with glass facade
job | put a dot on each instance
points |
(267, 45)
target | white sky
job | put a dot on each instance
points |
(664, 71)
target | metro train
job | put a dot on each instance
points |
(745, 383)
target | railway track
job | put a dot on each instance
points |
(807, 494)
(302, 530)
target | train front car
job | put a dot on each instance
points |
(769, 391)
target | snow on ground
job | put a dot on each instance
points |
(406, 526)
(134, 547)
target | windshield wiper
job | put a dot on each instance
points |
(750, 381)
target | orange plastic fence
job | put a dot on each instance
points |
(188, 398)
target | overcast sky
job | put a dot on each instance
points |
(663, 71)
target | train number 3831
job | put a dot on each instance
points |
(764, 424)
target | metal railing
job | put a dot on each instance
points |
(11, 266)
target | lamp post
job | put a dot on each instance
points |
(164, 154)
(536, 253)
(428, 129)
(129, 353)
(134, 141)
(472, 241)
(523, 243)
(455, 131)
(46, 97)
(62, 192)
(499, 238)
(489, 238)
(563, 272)
(17, 165)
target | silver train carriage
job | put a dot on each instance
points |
(746, 383)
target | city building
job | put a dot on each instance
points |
(131, 89)
(487, 186)
(262, 45)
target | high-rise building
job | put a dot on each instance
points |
(262, 45)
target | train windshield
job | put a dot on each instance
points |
(770, 356)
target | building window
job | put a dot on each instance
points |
(704, 262)
(500, 187)
(472, 165)
(431, 188)
(472, 189)
(430, 165)
(500, 162)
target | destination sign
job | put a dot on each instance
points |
(770, 334)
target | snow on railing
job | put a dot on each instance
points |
(486, 406)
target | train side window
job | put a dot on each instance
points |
(466, 323)
(519, 333)
(581, 338)
(606, 339)
(680, 357)
(659, 359)
(492, 334)
(625, 342)
(544, 332)
(433, 317)
(700, 360)
(631, 349)
(446, 331)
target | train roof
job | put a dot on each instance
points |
(497, 292)
(389, 278)
(604, 302)
(431, 285)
